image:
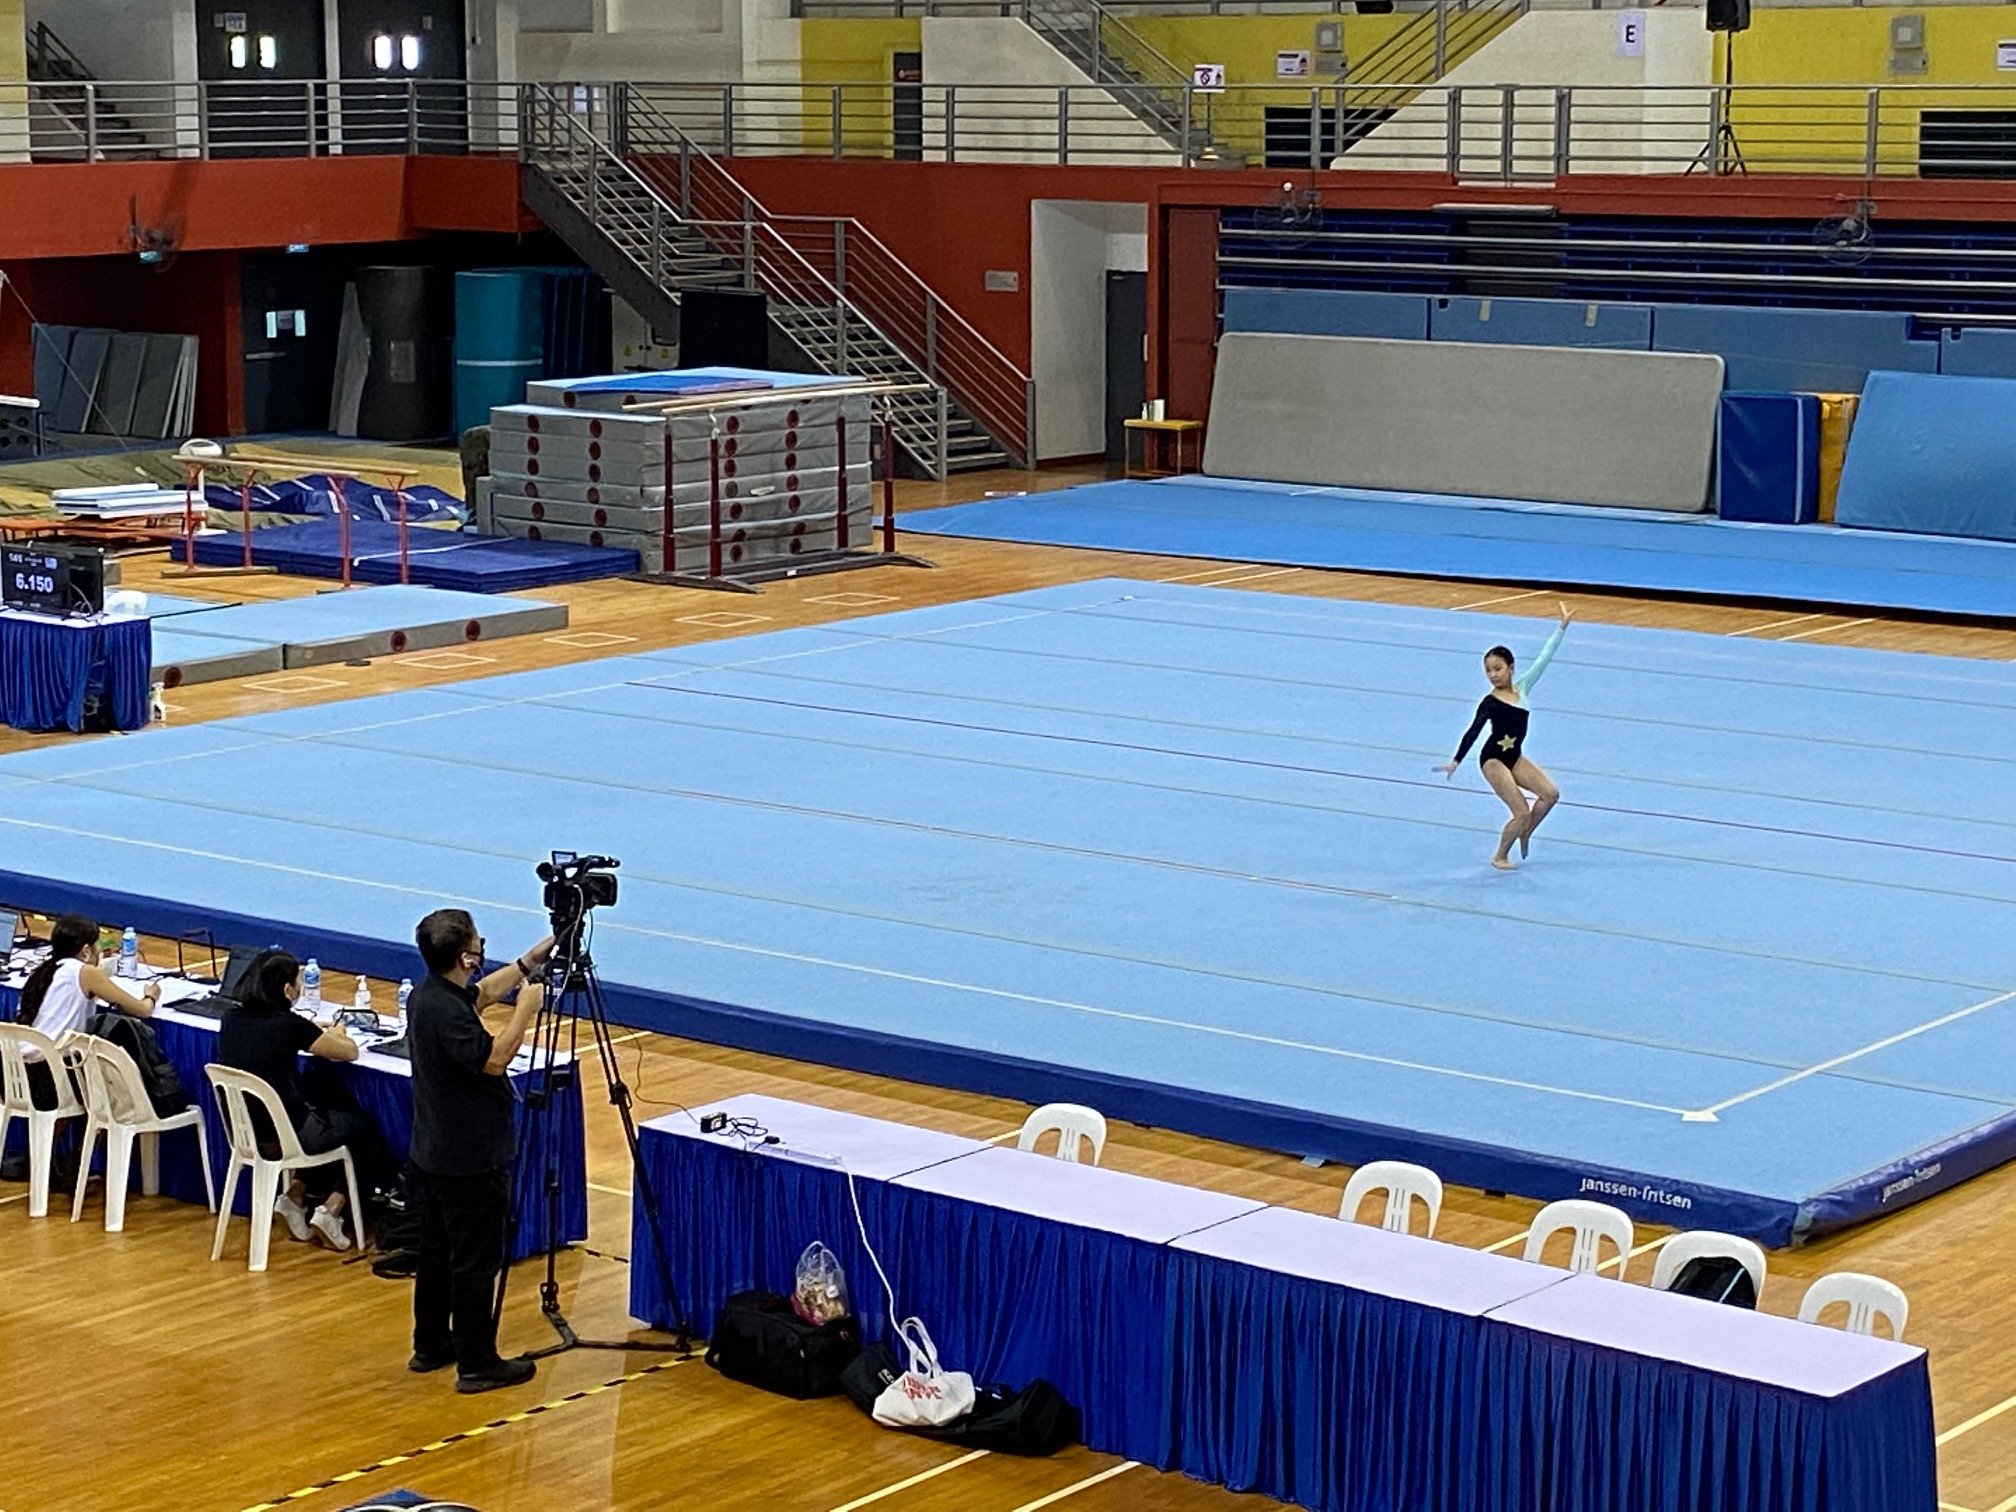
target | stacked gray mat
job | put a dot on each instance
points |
(115, 383)
(604, 478)
(1568, 425)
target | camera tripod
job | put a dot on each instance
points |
(574, 997)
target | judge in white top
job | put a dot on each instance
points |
(58, 996)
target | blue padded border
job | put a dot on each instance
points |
(1769, 1221)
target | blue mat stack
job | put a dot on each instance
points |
(439, 559)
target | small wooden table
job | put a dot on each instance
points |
(1153, 446)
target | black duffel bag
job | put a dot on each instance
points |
(1034, 1420)
(759, 1341)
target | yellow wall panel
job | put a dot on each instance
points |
(1795, 129)
(850, 51)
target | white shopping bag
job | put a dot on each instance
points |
(924, 1396)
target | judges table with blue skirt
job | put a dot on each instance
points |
(382, 1087)
(53, 670)
(1266, 1349)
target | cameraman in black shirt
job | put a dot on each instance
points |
(464, 1138)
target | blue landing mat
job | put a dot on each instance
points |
(1180, 853)
(1502, 540)
(439, 558)
(361, 611)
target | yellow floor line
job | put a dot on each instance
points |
(1976, 1421)
(493, 1426)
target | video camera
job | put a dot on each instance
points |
(575, 884)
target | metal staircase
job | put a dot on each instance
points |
(1423, 51)
(1110, 52)
(656, 215)
(69, 97)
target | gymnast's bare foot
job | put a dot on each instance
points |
(1504, 863)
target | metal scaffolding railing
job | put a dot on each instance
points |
(1473, 134)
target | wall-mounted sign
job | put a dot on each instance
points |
(2005, 56)
(1208, 78)
(1001, 281)
(233, 21)
(1291, 65)
(1631, 34)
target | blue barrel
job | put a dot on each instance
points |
(500, 341)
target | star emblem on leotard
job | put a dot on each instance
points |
(1506, 742)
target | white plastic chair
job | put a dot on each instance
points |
(1868, 1298)
(116, 1104)
(236, 1092)
(1403, 1184)
(17, 1101)
(1073, 1123)
(1706, 1244)
(1591, 1223)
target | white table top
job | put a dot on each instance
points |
(1730, 1341)
(1113, 1202)
(872, 1148)
(1366, 1259)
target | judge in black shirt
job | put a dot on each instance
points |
(464, 1138)
(264, 1034)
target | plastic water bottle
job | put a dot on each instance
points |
(360, 1001)
(129, 954)
(311, 987)
(405, 992)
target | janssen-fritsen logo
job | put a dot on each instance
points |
(1637, 1192)
(1917, 1178)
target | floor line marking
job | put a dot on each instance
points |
(2004, 1506)
(1797, 619)
(1841, 1060)
(1976, 1421)
(1203, 572)
(1251, 577)
(889, 974)
(450, 1440)
(915, 1480)
(636, 1034)
(1509, 598)
(1828, 629)
(596, 1186)
(1076, 1486)
(1505, 1244)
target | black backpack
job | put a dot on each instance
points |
(1716, 1278)
(760, 1341)
(138, 1039)
(1035, 1420)
(397, 1235)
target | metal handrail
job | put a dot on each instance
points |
(939, 342)
(45, 46)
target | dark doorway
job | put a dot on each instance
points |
(263, 60)
(1126, 356)
(906, 105)
(402, 66)
(289, 309)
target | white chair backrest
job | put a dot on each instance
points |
(15, 1041)
(1706, 1244)
(237, 1091)
(1868, 1298)
(1403, 1184)
(111, 1084)
(1591, 1223)
(1072, 1123)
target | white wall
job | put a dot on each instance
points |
(1618, 132)
(1072, 246)
(976, 51)
(125, 39)
(642, 40)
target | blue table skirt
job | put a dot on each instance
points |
(48, 668)
(736, 1220)
(387, 1097)
(1573, 1428)
(1316, 1394)
(1009, 1298)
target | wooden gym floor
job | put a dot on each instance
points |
(142, 1376)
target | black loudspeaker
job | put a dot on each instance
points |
(405, 387)
(1728, 15)
(718, 329)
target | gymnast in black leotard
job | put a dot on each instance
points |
(1503, 759)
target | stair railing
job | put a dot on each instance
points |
(883, 290)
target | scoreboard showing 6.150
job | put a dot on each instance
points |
(34, 579)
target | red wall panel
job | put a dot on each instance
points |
(196, 295)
